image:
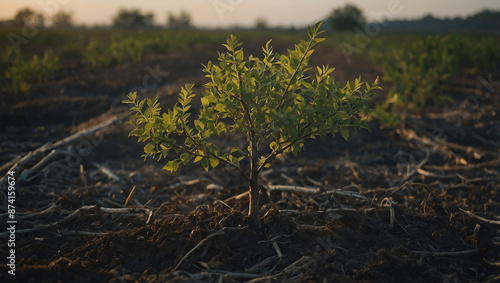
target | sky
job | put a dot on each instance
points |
(225, 13)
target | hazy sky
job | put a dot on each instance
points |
(225, 13)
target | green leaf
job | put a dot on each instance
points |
(214, 161)
(149, 148)
(141, 104)
(132, 96)
(147, 128)
(317, 26)
(274, 146)
(171, 166)
(185, 157)
(136, 132)
(365, 126)
(199, 125)
(319, 39)
(345, 132)
(204, 163)
(220, 107)
(296, 149)
(310, 31)
(204, 101)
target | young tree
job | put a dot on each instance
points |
(261, 24)
(275, 102)
(62, 19)
(26, 16)
(346, 18)
(183, 21)
(132, 18)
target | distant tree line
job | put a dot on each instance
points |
(484, 21)
(133, 18)
(345, 18)
(29, 17)
(125, 18)
(349, 17)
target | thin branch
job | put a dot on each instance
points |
(52, 208)
(295, 72)
(240, 99)
(470, 167)
(492, 263)
(297, 265)
(83, 233)
(237, 197)
(258, 266)
(294, 189)
(283, 95)
(341, 193)
(59, 222)
(427, 253)
(54, 154)
(291, 143)
(285, 148)
(75, 214)
(437, 176)
(495, 222)
(129, 197)
(201, 243)
(206, 151)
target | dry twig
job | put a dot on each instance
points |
(427, 253)
(443, 145)
(57, 223)
(258, 266)
(342, 193)
(106, 171)
(76, 213)
(492, 263)
(129, 197)
(495, 222)
(236, 197)
(437, 176)
(472, 167)
(294, 189)
(52, 208)
(54, 154)
(201, 243)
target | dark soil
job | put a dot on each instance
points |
(395, 205)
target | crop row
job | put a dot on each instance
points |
(422, 69)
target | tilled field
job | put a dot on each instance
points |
(419, 203)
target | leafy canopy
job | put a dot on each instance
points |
(346, 18)
(277, 102)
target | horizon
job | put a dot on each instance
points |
(243, 13)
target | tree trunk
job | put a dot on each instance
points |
(253, 209)
(253, 184)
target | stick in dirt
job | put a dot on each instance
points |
(41, 151)
(76, 213)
